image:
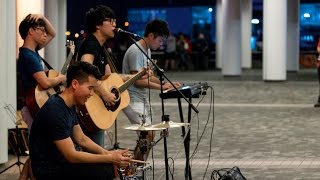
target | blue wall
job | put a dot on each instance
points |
(180, 20)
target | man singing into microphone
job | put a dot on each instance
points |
(100, 24)
(139, 110)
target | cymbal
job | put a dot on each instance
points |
(169, 124)
(141, 127)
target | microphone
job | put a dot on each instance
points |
(121, 31)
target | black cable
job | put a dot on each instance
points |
(172, 173)
(198, 130)
(211, 137)
(211, 108)
(198, 142)
(151, 119)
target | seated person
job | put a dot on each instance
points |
(55, 130)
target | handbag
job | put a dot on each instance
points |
(227, 174)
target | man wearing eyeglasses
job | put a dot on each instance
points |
(37, 32)
(100, 24)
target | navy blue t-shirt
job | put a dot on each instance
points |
(54, 121)
(29, 62)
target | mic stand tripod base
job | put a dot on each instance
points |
(17, 149)
(18, 163)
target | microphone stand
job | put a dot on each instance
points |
(165, 118)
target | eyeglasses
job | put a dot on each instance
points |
(43, 29)
(110, 20)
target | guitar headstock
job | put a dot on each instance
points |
(151, 65)
(71, 46)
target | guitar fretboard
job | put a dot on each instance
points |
(131, 81)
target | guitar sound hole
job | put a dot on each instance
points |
(116, 93)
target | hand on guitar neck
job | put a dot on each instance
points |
(148, 73)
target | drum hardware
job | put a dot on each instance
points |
(143, 142)
(142, 127)
(155, 127)
(169, 124)
(165, 117)
(134, 172)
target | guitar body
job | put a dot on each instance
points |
(42, 95)
(95, 114)
(31, 102)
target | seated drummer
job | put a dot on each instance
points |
(55, 129)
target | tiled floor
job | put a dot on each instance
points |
(268, 129)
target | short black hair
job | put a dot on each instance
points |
(96, 16)
(28, 23)
(158, 28)
(80, 71)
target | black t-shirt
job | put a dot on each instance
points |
(54, 121)
(92, 46)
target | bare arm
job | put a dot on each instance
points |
(99, 155)
(48, 82)
(82, 140)
(147, 73)
(152, 83)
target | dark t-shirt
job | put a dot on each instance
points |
(29, 62)
(54, 121)
(92, 46)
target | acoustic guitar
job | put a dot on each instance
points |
(97, 115)
(42, 95)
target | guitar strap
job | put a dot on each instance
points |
(46, 63)
(110, 60)
(30, 99)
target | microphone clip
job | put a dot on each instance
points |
(121, 31)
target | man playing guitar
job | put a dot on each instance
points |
(100, 24)
(37, 32)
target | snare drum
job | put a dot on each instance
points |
(133, 172)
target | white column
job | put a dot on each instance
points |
(56, 12)
(3, 91)
(246, 28)
(274, 40)
(7, 73)
(219, 34)
(231, 51)
(293, 34)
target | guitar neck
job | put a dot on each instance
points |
(125, 85)
(66, 64)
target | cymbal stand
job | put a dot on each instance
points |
(143, 146)
(10, 111)
(161, 75)
(142, 142)
(116, 143)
